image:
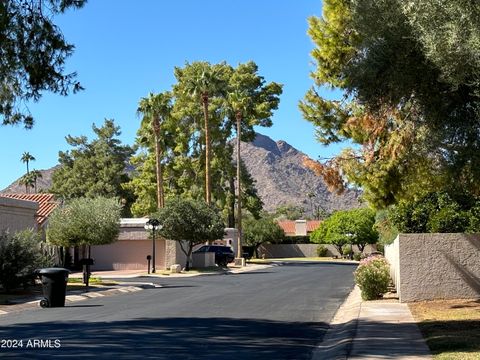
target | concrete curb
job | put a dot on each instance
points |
(75, 296)
(337, 342)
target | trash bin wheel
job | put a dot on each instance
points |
(44, 303)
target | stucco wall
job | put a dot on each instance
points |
(128, 255)
(436, 266)
(300, 250)
(17, 215)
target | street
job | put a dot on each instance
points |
(281, 312)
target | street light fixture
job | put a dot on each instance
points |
(153, 225)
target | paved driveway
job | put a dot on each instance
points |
(276, 313)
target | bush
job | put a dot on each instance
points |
(20, 256)
(373, 277)
(322, 251)
(347, 249)
(357, 256)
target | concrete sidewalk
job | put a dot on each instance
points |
(372, 330)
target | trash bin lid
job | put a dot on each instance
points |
(53, 271)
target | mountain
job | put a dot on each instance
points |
(43, 183)
(281, 178)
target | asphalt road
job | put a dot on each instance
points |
(277, 313)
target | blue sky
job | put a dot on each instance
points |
(126, 49)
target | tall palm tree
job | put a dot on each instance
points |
(239, 103)
(206, 82)
(26, 158)
(156, 109)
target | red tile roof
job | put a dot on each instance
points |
(288, 226)
(46, 204)
(313, 224)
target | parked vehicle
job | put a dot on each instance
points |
(223, 254)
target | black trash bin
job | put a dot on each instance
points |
(54, 283)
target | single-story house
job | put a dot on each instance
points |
(299, 227)
(25, 211)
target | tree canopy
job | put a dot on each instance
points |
(411, 89)
(95, 168)
(190, 221)
(183, 136)
(355, 227)
(33, 52)
(262, 230)
(85, 221)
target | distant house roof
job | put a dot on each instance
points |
(294, 227)
(46, 204)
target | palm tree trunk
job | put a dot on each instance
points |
(208, 186)
(239, 189)
(158, 165)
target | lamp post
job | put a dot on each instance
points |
(153, 225)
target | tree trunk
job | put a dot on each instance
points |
(158, 165)
(208, 187)
(239, 189)
(231, 205)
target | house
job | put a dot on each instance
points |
(299, 227)
(25, 211)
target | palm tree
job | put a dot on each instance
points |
(28, 181)
(239, 103)
(26, 158)
(205, 83)
(35, 174)
(156, 109)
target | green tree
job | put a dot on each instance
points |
(262, 230)
(156, 110)
(26, 158)
(202, 81)
(36, 174)
(412, 110)
(95, 168)
(347, 227)
(190, 222)
(289, 212)
(85, 222)
(437, 212)
(183, 136)
(28, 181)
(33, 55)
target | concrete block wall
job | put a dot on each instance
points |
(17, 215)
(436, 266)
(300, 250)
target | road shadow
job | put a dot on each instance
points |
(170, 338)
(392, 340)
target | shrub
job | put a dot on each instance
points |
(347, 249)
(373, 277)
(322, 251)
(20, 255)
(357, 256)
